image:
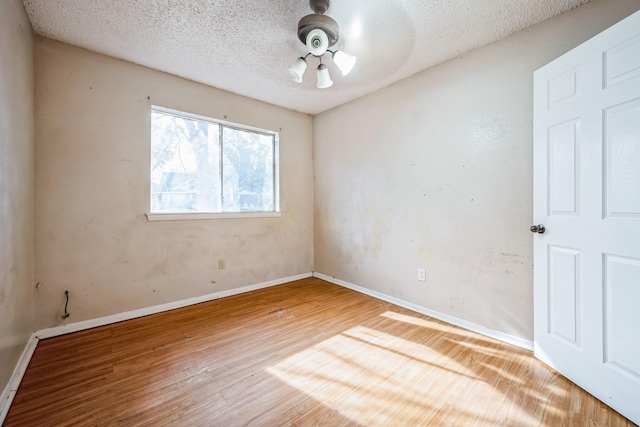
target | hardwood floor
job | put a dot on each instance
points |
(303, 353)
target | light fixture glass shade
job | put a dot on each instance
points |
(344, 61)
(297, 70)
(324, 79)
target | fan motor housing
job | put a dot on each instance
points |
(322, 22)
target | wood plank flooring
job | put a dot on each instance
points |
(303, 353)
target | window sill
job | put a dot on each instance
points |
(193, 216)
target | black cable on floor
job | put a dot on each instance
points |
(66, 314)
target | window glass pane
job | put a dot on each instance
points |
(185, 162)
(188, 173)
(248, 168)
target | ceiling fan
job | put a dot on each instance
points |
(318, 32)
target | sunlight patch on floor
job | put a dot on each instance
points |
(401, 380)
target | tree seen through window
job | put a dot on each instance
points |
(203, 166)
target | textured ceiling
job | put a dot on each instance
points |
(246, 46)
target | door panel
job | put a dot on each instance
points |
(563, 167)
(622, 62)
(563, 88)
(564, 294)
(622, 165)
(587, 194)
(622, 294)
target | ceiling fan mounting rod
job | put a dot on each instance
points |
(319, 6)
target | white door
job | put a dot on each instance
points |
(587, 196)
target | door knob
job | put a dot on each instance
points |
(537, 228)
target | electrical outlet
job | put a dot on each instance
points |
(422, 275)
(221, 264)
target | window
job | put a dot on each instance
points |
(199, 165)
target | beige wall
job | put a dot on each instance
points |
(16, 185)
(436, 172)
(92, 192)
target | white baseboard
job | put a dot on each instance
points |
(114, 318)
(11, 388)
(456, 321)
(6, 398)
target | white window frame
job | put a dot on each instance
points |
(178, 216)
